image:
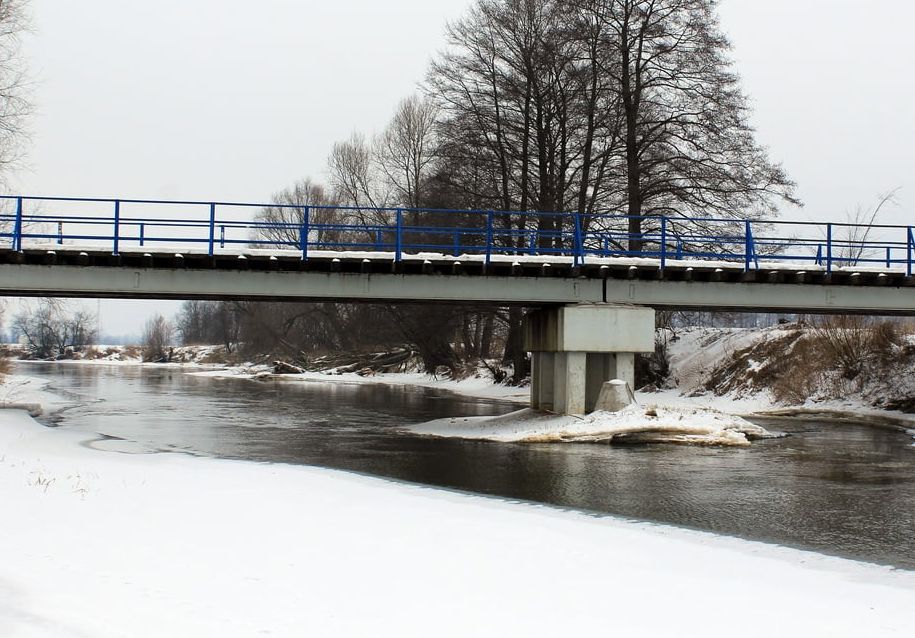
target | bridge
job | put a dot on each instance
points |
(589, 273)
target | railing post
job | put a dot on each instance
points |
(663, 242)
(222, 236)
(910, 244)
(60, 233)
(579, 246)
(532, 243)
(142, 234)
(819, 259)
(17, 227)
(748, 246)
(303, 233)
(398, 242)
(378, 245)
(457, 243)
(117, 225)
(889, 257)
(829, 248)
(488, 236)
(212, 229)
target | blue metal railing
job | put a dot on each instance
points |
(31, 222)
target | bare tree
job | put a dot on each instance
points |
(208, 323)
(853, 247)
(52, 329)
(595, 105)
(530, 122)
(689, 145)
(282, 224)
(406, 152)
(524, 102)
(356, 180)
(15, 104)
(158, 336)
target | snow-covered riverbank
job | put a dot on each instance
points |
(101, 544)
(478, 387)
(197, 361)
(697, 357)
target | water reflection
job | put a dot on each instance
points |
(831, 487)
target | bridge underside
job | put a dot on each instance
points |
(347, 278)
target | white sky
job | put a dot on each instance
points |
(232, 99)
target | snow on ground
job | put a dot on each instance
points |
(100, 544)
(132, 355)
(695, 352)
(28, 393)
(635, 423)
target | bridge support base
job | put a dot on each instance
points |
(575, 349)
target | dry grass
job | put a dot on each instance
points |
(755, 368)
(829, 359)
(803, 372)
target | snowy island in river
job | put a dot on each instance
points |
(669, 424)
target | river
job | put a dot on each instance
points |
(837, 488)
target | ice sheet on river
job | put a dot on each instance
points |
(684, 424)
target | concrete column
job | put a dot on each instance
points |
(569, 382)
(542, 375)
(575, 349)
(601, 367)
(625, 367)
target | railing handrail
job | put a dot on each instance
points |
(394, 209)
(485, 232)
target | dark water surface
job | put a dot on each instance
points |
(837, 488)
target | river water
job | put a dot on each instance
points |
(837, 488)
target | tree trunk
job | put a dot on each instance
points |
(486, 338)
(514, 345)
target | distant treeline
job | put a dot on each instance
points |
(444, 337)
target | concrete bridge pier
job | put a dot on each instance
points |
(575, 349)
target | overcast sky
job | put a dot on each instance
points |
(232, 99)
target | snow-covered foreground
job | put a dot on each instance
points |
(655, 424)
(99, 544)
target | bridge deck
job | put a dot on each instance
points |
(61, 271)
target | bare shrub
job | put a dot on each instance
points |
(854, 342)
(887, 338)
(157, 339)
(654, 369)
(847, 339)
